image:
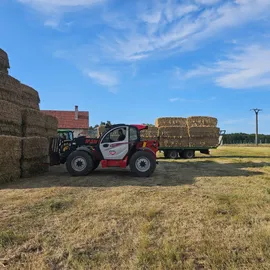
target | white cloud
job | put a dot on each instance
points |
(173, 99)
(104, 78)
(245, 68)
(191, 100)
(207, 2)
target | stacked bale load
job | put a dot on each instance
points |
(35, 129)
(51, 126)
(203, 131)
(172, 132)
(4, 62)
(150, 134)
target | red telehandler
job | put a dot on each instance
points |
(119, 146)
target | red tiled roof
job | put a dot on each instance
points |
(66, 119)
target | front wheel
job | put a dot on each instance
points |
(79, 163)
(142, 163)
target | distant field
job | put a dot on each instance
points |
(212, 212)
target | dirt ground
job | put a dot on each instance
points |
(212, 212)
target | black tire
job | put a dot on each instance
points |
(189, 154)
(173, 154)
(142, 163)
(166, 154)
(96, 164)
(79, 163)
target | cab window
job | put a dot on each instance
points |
(116, 135)
(133, 134)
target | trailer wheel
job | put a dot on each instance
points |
(79, 163)
(142, 163)
(188, 154)
(173, 154)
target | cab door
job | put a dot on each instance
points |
(115, 144)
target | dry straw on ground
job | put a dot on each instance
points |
(33, 123)
(201, 121)
(171, 121)
(10, 119)
(10, 156)
(30, 97)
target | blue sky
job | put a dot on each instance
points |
(135, 60)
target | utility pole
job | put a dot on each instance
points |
(257, 124)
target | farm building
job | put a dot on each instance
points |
(77, 121)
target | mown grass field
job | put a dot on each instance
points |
(207, 213)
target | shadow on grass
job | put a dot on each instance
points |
(171, 173)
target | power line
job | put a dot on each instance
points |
(257, 123)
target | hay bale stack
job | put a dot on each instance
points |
(203, 142)
(176, 131)
(201, 121)
(150, 133)
(35, 151)
(51, 126)
(173, 142)
(10, 89)
(33, 122)
(10, 119)
(170, 121)
(204, 132)
(30, 97)
(10, 156)
(4, 62)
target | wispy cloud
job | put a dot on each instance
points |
(103, 78)
(245, 68)
(191, 100)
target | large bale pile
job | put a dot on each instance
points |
(175, 131)
(4, 62)
(170, 121)
(173, 142)
(10, 156)
(33, 122)
(34, 156)
(30, 97)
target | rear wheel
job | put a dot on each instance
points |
(188, 154)
(142, 163)
(173, 154)
(79, 163)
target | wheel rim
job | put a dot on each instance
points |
(173, 154)
(189, 154)
(142, 164)
(78, 164)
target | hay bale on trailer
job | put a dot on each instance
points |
(201, 121)
(151, 132)
(204, 132)
(173, 142)
(175, 131)
(30, 97)
(33, 122)
(10, 119)
(203, 142)
(10, 156)
(35, 152)
(51, 126)
(170, 121)
(4, 62)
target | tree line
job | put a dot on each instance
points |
(244, 138)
